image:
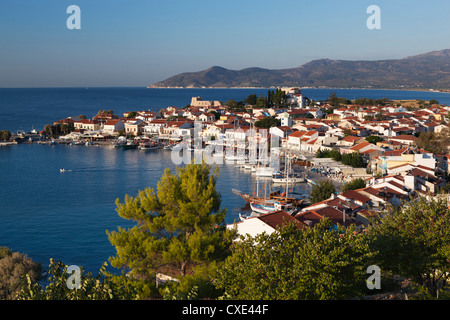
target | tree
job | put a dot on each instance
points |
(433, 101)
(353, 159)
(374, 139)
(231, 103)
(434, 142)
(268, 122)
(314, 263)
(13, 267)
(261, 102)
(334, 154)
(48, 130)
(102, 112)
(179, 227)
(276, 97)
(322, 191)
(354, 184)
(131, 114)
(251, 99)
(5, 135)
(413, 241)
(333, 100)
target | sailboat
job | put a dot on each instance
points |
(288, 176)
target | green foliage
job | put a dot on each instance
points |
(277, 97)
(5, 252)
(336, 101)
(102, 112)
(322, 191)
(314, 263)
(131, 114)
(268, 122)
(374, 139)
(414, 242)
(354, 159)
(104, 286)
(58, 129)
(372, 102)
(251, 99)
(354, 184)
(198, 285)
(261, 102)
(433, 101)
(5, 135)
(333, 154)
(178, 228)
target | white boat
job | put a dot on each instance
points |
(269, 206)
(293, 178)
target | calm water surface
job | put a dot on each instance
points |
(48, 214)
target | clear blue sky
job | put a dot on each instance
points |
(137, 42)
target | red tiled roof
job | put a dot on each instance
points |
(404, 137)
(280, 218)
(111, 122)
(352, 194)
(297, 134)
(361, 145)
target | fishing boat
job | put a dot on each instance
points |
(129, 145)
(149, 146)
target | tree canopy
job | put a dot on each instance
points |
(322, 191)
(268, 122)
(178, 227)
(354, 184)
(315, 263)
(414, 241)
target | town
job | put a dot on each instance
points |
(378, 152)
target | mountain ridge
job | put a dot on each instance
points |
(429, 70)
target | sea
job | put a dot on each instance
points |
(48, 214)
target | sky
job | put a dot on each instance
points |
(138, 42)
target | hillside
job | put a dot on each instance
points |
(424, 71)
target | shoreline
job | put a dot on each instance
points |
(429, 90)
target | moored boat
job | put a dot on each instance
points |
(270, 206)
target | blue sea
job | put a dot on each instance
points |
(47, 214)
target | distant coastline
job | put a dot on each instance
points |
(315, 88)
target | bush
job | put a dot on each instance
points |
(354, 184)
(13, 267)
(322, 191)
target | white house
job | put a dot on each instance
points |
(267, 223)
(113, 126)
(281, 132)
(155, 126)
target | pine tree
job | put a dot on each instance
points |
(179, 227)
